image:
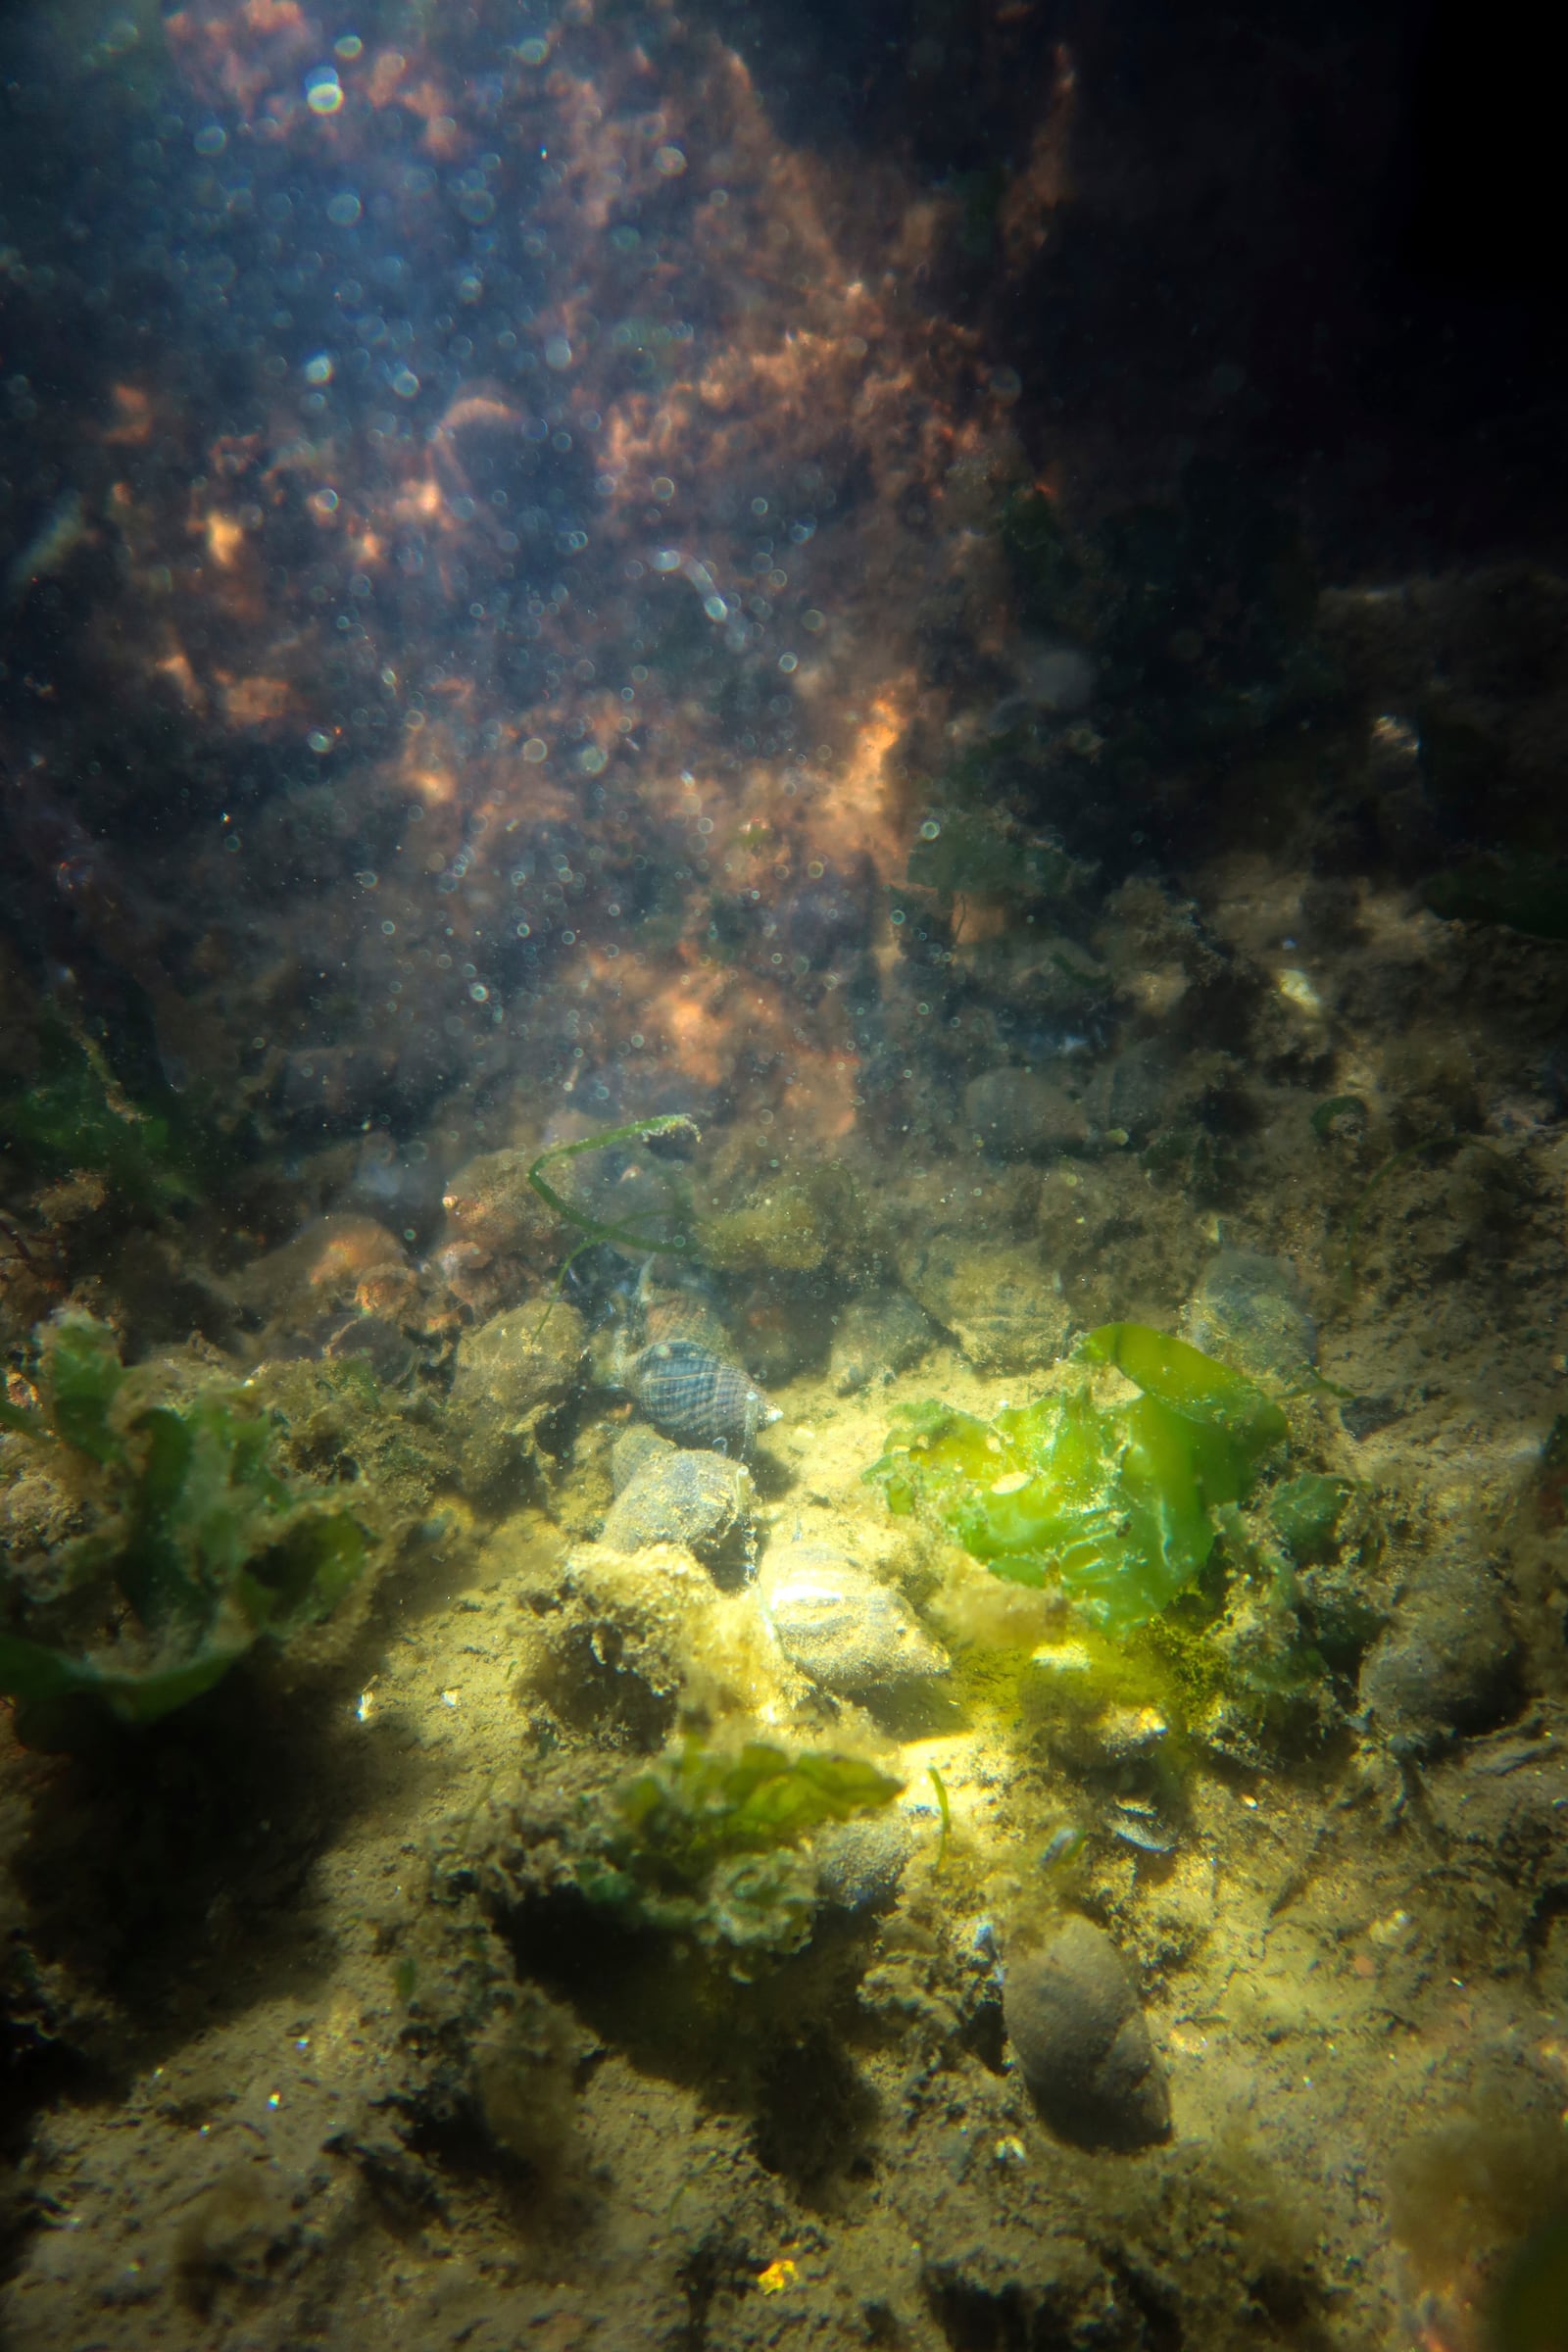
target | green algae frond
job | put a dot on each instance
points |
(704, 1840)
(1117, 1501)
(195, 1547)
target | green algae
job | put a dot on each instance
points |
(1117, 1501)
(705, 1842)
(196, 1547)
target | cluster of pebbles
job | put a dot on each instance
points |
(680, 1477)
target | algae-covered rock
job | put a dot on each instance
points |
(511, 1374)
(792, 1225)
(1020, 1115)
(678, 1497)
(1448, 1665)
(1072, 2011)
(1006, 1312)
(877, 1336)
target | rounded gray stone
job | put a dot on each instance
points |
(1072, 2011)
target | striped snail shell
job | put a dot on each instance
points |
(695, 1398)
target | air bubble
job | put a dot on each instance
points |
(535, 750)
(479, 993)
(212, 139)
(318, 370)
(344, 209)
(558, 353)
(592, 761)
(930, 829)
(788, 662)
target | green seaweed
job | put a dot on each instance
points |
(77, 1114)
(198, 1546)
(1327, 1116)
(703, 1842)
(1305, 1514)
(1117, 1501)
(598, 1229)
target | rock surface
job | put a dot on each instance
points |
(877, 1336)
(1247, 1313)
(998, 1303)
(1072, 2017)
(841, 1627)
(1018, 1114)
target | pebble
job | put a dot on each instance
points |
(834, 1621)
(860, 1863)
(1072, 2016)
(1449, 1666)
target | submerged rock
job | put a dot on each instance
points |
(512, 1374)
(876, 1337)
(1005, 1311)
(860, 1863)
(1072, 2016)
(634, 1447)
(1448, 1665)
(697, 1500)
(841, 1627)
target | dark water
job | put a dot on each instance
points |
(781, 1177)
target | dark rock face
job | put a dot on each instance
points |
(1072, 2017)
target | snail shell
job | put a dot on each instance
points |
(698, 1398)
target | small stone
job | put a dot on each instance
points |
(1072, 2016)
(1018, 1114)
(696, 1499)
(1448, 1665)
(520, 1362)
(860, 1863)
(840, 1625)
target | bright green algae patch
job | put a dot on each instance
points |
(1114, 1502)
(702, 1841)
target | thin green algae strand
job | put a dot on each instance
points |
(1115, 1501)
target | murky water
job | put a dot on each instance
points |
(782, 1027)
